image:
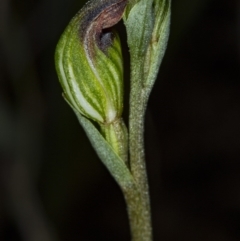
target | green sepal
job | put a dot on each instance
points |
(110, 70)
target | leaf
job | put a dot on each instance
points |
(110, 159)
(159, 39)
(147, 23)
(139, 24)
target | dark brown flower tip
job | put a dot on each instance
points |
(96, 17)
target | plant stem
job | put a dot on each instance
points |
(116, 135)
(140, 217)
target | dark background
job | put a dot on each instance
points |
(52, 185)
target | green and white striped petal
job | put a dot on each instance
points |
(89, 62)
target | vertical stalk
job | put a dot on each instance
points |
(116, 135)
(138, 103)
(138, 216)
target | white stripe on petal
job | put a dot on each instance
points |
(81, 100)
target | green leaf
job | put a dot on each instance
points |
(147, 23)
(139, 24)
(158, 42)
(110, 159)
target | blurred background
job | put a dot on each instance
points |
(52, 185)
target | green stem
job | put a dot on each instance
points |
(116, 135)
(138, 216)
(141, 217)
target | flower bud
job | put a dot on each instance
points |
(89, 61)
